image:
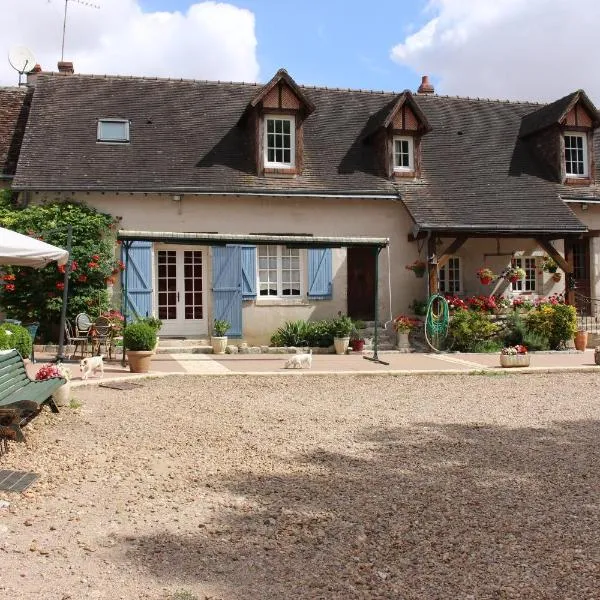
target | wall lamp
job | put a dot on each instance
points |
(177, 198)
(584, 206)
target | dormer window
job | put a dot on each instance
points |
(113, 131)
(576, 154)
(404, 154)
(280, 141)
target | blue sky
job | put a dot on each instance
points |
(333, 43)
(535, 50)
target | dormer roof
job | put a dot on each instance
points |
(392, 110)
(556, 112)
(280, 80)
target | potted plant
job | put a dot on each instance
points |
(486, 275)
(139, 340)
(156, 324)
(342, 328)
(514, 274)
(62, 395)
(403, 325)
(418, 267)
(357, 342)
(549, 265)
(514, 356)
(218, 339)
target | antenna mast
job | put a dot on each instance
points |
(82, 2)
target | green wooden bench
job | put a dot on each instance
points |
(22, 398)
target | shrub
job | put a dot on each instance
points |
(469, 329)
(555, 322)
(139, 336)
(15, 336)
(419, 307)
(320, 334)
(31, 294)
(220, 327)
(155, 323)
(292, 333)
(342, 326)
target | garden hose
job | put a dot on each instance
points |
(436, 322)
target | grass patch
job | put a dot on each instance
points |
(74, 403)
(489, 373)
(183, 595)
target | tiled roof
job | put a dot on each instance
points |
(13, 117)
(186, 136)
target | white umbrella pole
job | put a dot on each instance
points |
(63, 311)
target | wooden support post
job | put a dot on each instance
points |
(432, 267)
(569, 284)
(450, 250)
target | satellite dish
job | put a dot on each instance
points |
(21, 59)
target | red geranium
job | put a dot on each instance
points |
(9, 287)
(60, 285)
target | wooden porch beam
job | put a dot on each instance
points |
(563, 263)
(432, 269)
(450, 250)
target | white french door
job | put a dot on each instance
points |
(181, 298)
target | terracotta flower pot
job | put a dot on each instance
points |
(357, 345)
(581, 338)
(556, 276)
(139, 360)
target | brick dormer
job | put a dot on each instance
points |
(395, 134)
(561, 136)
(275, 117)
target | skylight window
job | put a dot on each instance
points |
(113, 131)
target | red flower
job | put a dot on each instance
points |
(61, 268)
(9, 277)
(60, 285)
(9, 287)
(74, 266)
(82, 278)
(93, 265)
(109, 280)
(95, 257)
(115, 271)
(121, 265)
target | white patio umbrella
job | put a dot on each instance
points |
(22, 250)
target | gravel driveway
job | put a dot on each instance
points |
(308, 487)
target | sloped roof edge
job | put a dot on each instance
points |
(283, 75)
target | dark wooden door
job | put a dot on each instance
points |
(361, 283)
(580, 250)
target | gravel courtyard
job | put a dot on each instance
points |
(311, 487)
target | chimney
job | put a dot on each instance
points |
(426, 87)
(66, 68)
(33, 75)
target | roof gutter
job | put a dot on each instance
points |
(217, 192)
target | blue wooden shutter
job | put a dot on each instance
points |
(320, 284)
(248, 272)
(138, 274)
(227, 287)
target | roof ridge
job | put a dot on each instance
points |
(145, 78)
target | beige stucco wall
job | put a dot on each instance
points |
(255, 214)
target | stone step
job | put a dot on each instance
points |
(195, 349)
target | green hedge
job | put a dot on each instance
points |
(15, 336)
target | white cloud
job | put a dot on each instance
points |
(518, 49)
(211, 40)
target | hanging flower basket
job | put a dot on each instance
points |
(418, 268)
(514, 274)
(556, 276)
(486, 276)
(549, 265)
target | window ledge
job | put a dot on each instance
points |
(282, 301)
(405, 174)
(281, 172)
(578, 180)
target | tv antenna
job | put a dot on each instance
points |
(83, 3)
(21, 59)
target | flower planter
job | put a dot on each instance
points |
(419, 272)
(514, 279)
(139, 360)
(556, 276)
(341, 344)
(357, 345)
(218, 343)
(62, 396)
(402, 340)
(514, 360)
(581, 338)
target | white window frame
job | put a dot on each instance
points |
(105, 140)
(529, 264)
(276, 164)
(444, 276)
(411, 153)
(280, 295)
(586, 168)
